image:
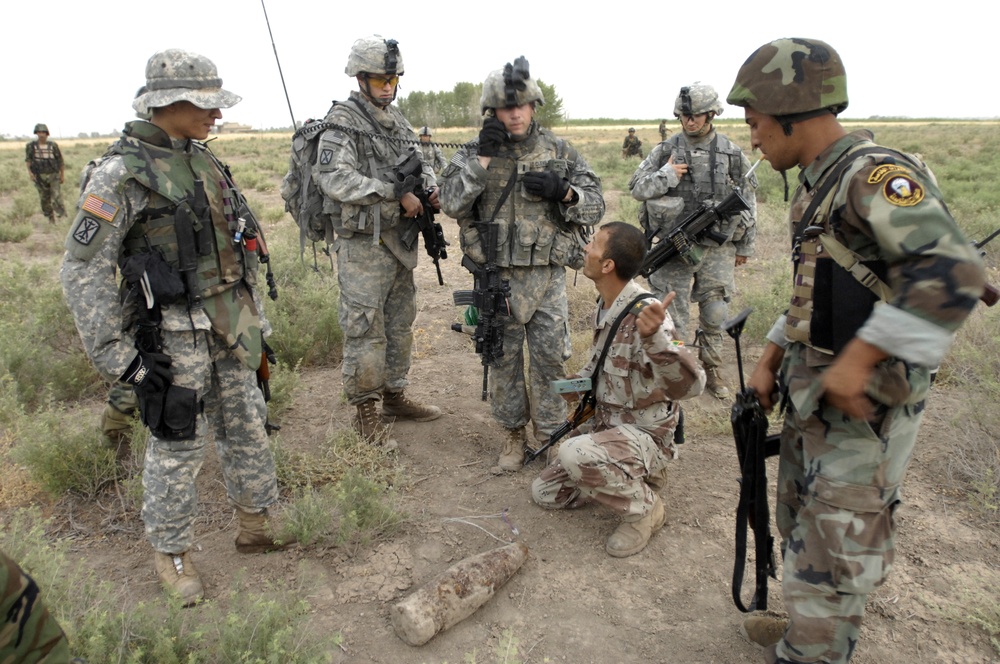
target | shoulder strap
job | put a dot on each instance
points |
(635, 306)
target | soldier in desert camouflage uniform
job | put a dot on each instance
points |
(47, 171)
(855, 375)
(200, 342)
(28, 631)
(433, 156)
(619, 457)
(554, 199)
(373, 214)
(694, 167)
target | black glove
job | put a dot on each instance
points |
(491, 137)
(546, 184)
(149, 373)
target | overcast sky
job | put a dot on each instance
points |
(76, 67)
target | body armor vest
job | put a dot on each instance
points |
(714, 171)
(531, 229)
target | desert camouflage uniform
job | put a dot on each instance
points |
(632, 146)
(537, 240)
(378, 298)
(712, 276)
(46, 163)
(839, 478)
(631, 434)
(29, 633)
(433, 157)
(215, 348)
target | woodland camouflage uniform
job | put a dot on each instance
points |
(632, 146)
(538, 239)
(28, 631)
(716, 167)
(129, 203)
(840, 478)
(45, 161)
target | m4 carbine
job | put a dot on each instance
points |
(408, 170)
(698, 224)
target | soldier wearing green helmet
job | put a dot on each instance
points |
(46, 169)
(868, 227)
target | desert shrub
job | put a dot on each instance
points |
(304, 317)
(366, 509)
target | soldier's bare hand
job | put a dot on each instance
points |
(652, 316)
(411, 205)
(844, 381)
(433, 198)
(741, 260)
(680, 169)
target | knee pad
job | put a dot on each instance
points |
(713, 314)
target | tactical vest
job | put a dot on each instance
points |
(531, 229)
(168, 174)
(714, 171)
(376, 158)
(834, 289)
(44, 159)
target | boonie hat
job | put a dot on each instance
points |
(176, 75)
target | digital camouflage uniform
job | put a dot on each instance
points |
(632, 146)
(128, 199)
(433, 157)
(45, 161)
(839, 478)
(715, 167)
(378, 297)
(29, 633)
(630, 437)
(538, 239)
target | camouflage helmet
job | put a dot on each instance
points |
(696, 99)
(425, 131)
(789, 77)
(510, 86)
(631, 130)
(374, 55)
(174, 75)
(41, 127)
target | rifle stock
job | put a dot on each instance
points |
(584, 411)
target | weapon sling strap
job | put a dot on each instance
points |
(635, 306)
(509, 187)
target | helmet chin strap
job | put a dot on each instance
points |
(367, 91)
(705, 128)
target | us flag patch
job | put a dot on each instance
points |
(86, 230)
(100, 208)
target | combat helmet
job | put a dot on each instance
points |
(425, 131)
(41, 127)
(174, 75)
(510, 86)
(792, 79)
(374, 55)
(696, 99)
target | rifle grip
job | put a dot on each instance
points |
(990, 295)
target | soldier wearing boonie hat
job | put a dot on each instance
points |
(869, 228)
(161, 210)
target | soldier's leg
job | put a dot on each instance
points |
(117, 417)
(841, 546)
(44, 197)
(675, 276)
(169, 496)
(548, 349)
(711, 291)
(56, 194)
(400, 311)
(508, 393)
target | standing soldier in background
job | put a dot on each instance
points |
(432, 154)
(868, 225)
(695, 167)
(663, 130)
(47, 170)
(545, 197)
(632, 146)
(188, 338)
(371, 210)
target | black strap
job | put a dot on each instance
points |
(503, 197)
(637, 300)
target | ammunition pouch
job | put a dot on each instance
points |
(830, 329)
(171, 414)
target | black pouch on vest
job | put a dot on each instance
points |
(841, 304)
(172, 414)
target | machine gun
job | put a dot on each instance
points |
(693, 227)
(408, 171)
(753, 446)
(490, 297)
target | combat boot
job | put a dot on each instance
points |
(395, 406)
(369, 425)
(116, 428)
(764, 630)
(512, 455)
(631, 537)
(52, 218)
(179, 577)
(256, 536)
(715, 384)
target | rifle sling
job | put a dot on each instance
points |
(509, 187)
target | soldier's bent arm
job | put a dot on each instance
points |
(89, 267)
(655, 177)
(587, 205)
(337, 173)
(461, 184)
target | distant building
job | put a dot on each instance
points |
(233, 128)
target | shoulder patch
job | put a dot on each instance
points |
(882, 171)
(902, 190)
(86, 230)
(325, 157)
(100, 208)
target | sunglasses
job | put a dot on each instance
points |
(381, 81)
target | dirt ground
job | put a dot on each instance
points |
(570, 601)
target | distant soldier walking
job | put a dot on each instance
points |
(433, 156)
(46, 169)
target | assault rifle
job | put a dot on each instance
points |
(584, 411)
(753, 446)
(698, 224)
(408, 170)
(490, 295)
